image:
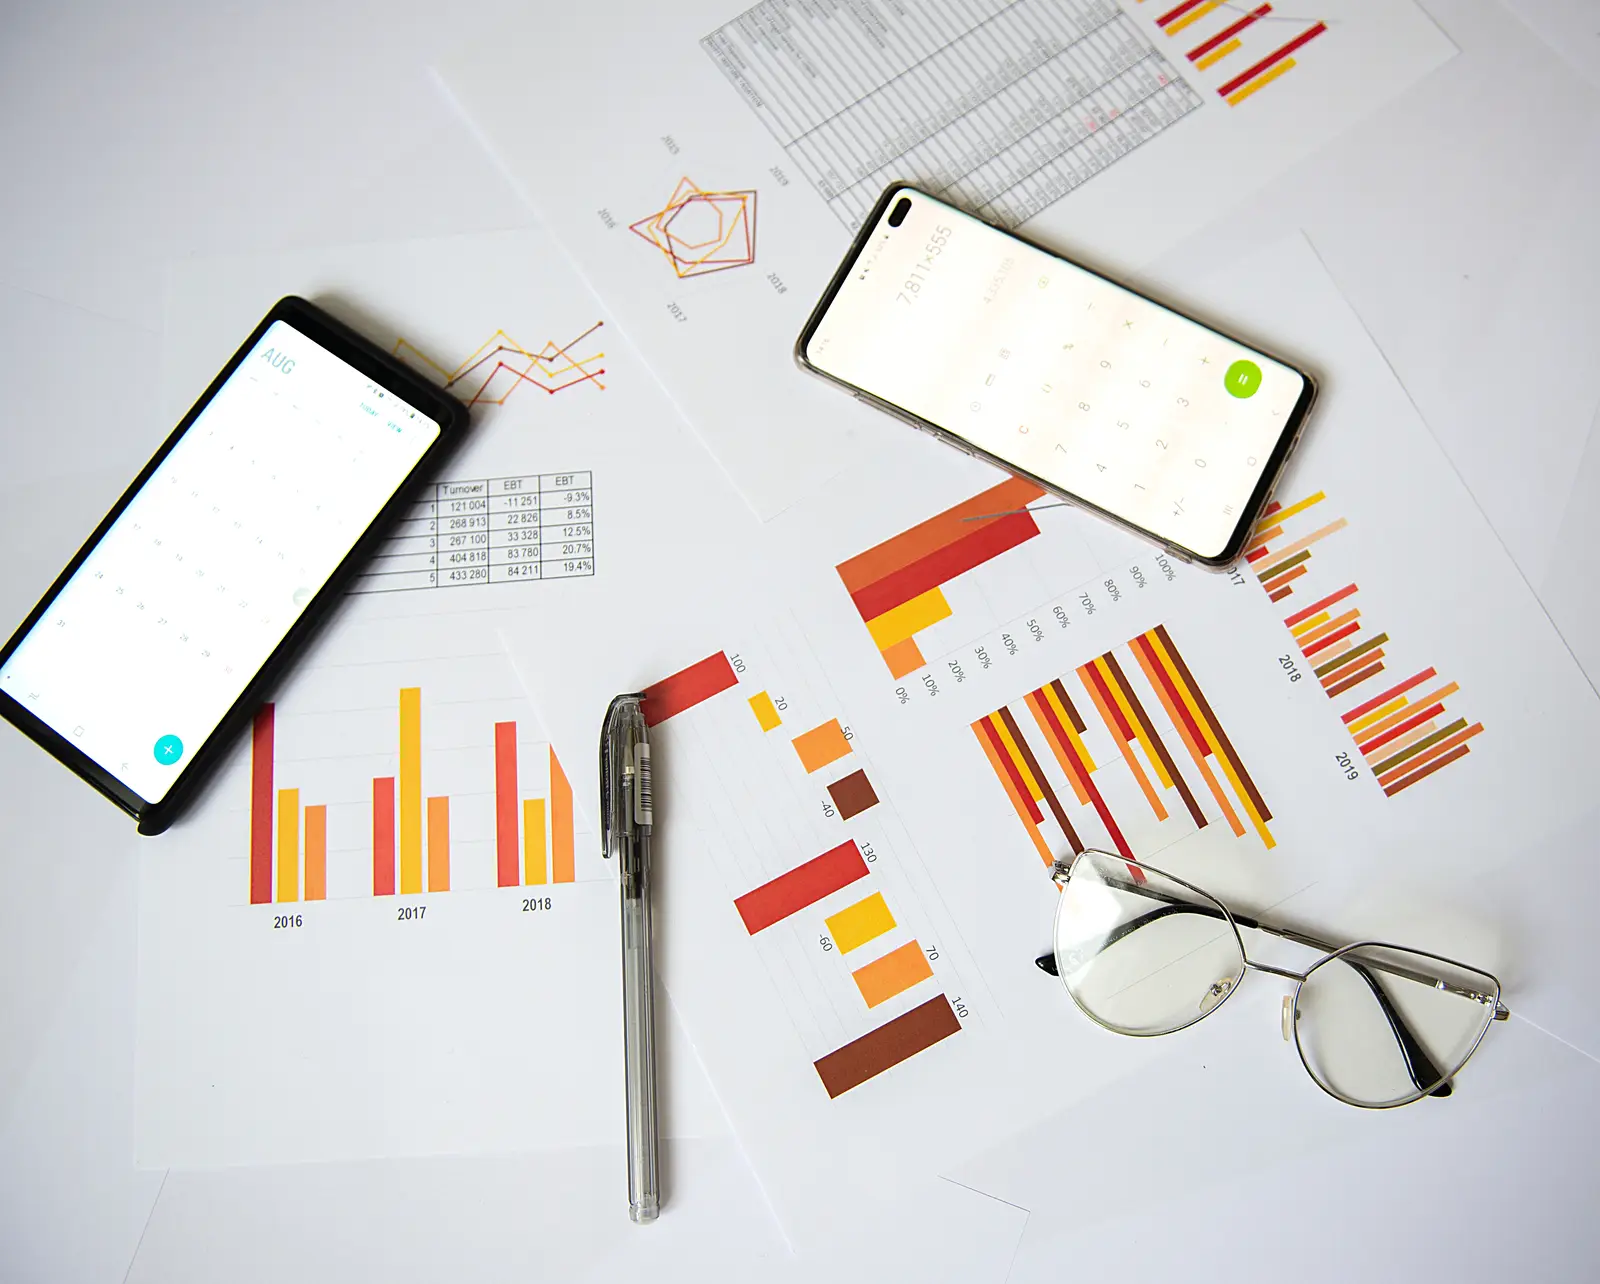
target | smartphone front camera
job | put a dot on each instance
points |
(898, 214)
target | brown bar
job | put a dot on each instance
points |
(1050, 798)
(853, 795)
(1349, 656)
(1078, 723)
(1222, 736)
(887, 1046)
(1195, 814)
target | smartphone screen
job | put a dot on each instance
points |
(1096, 391)
(200, 577)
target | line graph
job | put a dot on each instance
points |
(552, 368)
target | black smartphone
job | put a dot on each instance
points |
(157, 641)
(1007, 351)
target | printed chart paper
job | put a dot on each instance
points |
(711, 198)
(388, 929)
(964, 683)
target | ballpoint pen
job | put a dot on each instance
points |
(626, 820)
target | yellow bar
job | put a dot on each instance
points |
(533, 869)
(1123, 704)
(1301, 507)
(1193, 16)
(766, 712)
(999, 725)
(562, 852)
(821, 745)
(410, 790)
(438, 844)
(857, 924)
(1332, 626)
(288, 844)
(1067, 766)
(895, 973)
(1017, 803)
(1305, 626)
(1218, 54)
(1065, 719)
(1212, 743)
(1377, 715)
(1260, 82)
(1410, 709)
(909, 618)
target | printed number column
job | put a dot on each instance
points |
(566, 524)
(463, 533)
(514, 542)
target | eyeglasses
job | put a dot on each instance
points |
(1144, 953)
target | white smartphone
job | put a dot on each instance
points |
(1110, 400)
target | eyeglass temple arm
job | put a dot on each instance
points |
(1419, 1066)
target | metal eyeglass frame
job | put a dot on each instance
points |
(1429, 1080)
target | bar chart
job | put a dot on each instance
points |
(1403, 737)
(1067, 789)
(406, 834)
(838, 926)
(897, 587)
(1263, 61)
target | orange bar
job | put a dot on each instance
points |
(562, 852)
(1415, 763)
(1056, 747)
(1011, 793)
(821, 745)
(895, 973)
(930, 536)
(1322, 630)
(438, 844)
(1179, 720)
(317, 852)
(903, 658)
(1405, 711)
(1262, 538)
(1123, 748)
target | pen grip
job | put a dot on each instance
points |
(638, 1034)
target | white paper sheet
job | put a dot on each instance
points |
(485, 1018)
(1438, 610)
(823, 109)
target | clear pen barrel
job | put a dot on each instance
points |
(638, 1033)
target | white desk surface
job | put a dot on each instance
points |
(1460, 224)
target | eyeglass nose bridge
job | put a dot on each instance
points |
(1287, 974)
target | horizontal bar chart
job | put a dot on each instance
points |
(887, 1046)
(893, 974)
(687, 688)
(822, 745)
(1238, 28)
(801, 887)
(897, 587)
(1404, 737)
(853, 795)
(855, 925)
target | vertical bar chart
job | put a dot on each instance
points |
(897, 587)
(1053, 789)
(523, 859)
(283, 834)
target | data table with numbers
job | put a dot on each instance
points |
(495, 531)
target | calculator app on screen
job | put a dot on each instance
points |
(185, 597)
(1135, 408)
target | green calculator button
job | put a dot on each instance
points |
(1243, 379)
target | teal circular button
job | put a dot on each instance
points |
(1243, 379)
(168, 750)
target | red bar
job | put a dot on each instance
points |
(1257, 555)
(1010, 766)
(1200, 51)
(505, 804)
(261, 804)
(1323, 643)
(1363, 709)
(383, 836)
(687, 688)
(1277, 55)
(1400, 728)
(1091, 675)
(1311, 610)
(1173, 14)
(802, 886)
(943, 565)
